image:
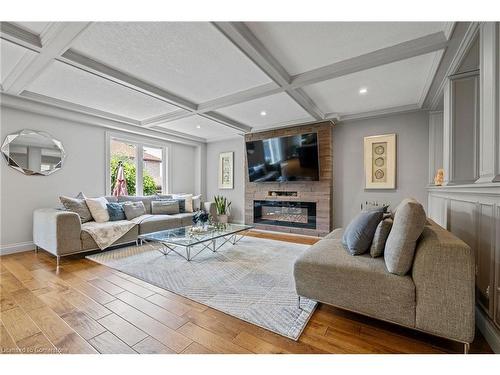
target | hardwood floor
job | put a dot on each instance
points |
(89, 308)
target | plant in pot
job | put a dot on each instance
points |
(222, 206)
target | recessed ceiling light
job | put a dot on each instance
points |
(263, 113)
(198, 126)
(363, 90)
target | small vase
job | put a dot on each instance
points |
(222, 218)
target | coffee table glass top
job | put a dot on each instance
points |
(186, 236)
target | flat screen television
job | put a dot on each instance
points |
(282, 159)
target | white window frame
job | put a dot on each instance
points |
(139, 143)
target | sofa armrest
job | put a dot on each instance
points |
(57, 231)
(443, 273)
(210, 208)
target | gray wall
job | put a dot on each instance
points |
(348, 170)
(84, 170)
(236, 195)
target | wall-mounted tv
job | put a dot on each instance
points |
(282, 159)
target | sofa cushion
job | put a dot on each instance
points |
(409, 222)
(111, 198)
(116, 212)
(359, 233)
(146, 200)
(78, 206)
(98, 209)
(327, 273)
(186, 218)
(156, 223)
(134, 209)
(336, 234)
(380, 238)
(165, 207)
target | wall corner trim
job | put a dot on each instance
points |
(489, 332)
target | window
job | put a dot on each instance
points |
(152, 170)
(144, 166)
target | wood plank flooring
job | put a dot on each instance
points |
(89, 308)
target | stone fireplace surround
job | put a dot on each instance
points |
(319, 192)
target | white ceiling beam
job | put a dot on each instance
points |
(241, 36)
(59, 37)
(221, 119)
(17, 35)
(401, 51)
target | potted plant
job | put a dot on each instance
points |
(222, 206)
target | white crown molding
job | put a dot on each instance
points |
(378, 113)
(42, 108)
(430, 77)
(78, 108)
(224, 138)
(19, 36)
(58, 39)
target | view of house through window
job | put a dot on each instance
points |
(152, 175)
(150, 172)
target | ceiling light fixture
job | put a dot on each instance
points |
(363, 90)
(263, 113)
(198, 127)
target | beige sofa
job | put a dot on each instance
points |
(436, 296)
(60, 232)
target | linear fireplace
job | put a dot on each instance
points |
(285, 213)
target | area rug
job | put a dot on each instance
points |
(252, 280)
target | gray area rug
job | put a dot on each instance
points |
(252, 280)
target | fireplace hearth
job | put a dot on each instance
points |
(285, 213)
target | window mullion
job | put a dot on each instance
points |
(139, 168)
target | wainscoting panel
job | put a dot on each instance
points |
(472, 213)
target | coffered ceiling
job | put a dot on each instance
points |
(215, 80)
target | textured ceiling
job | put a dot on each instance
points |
(145, 72)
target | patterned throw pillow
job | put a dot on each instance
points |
(116, 212)
(134, 209)
(78, 206)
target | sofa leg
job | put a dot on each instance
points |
(57, 263)
(298, 303)
(36, 249)
(466, 348)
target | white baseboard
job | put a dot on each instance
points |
(16, 247)
(490, 333)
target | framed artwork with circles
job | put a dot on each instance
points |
(380, 161)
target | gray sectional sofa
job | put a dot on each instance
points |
(436, 296)
(60, 232)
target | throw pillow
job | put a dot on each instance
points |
(134, 209)
(409, 222)
(116, 212)
(98, 208)
(164, 207)
(188, 201)
(380, 237)
(78, 206)
(359, 233)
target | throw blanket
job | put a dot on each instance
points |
(105, 234)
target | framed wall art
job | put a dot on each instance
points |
(380, 161)
(226, 170)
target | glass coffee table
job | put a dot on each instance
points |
(186, 240)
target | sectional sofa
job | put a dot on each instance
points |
(436, 295)
(60, 232)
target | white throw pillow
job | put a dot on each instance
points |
(98, 209)
(188, 201)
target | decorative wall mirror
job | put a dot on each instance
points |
(33, 153)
